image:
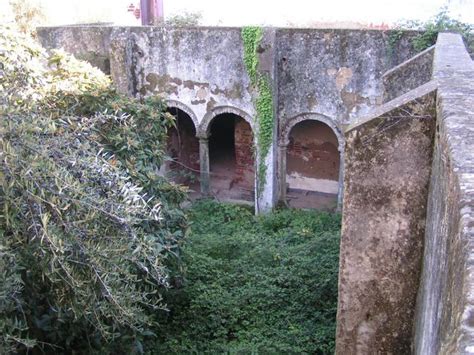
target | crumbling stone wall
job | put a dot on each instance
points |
(312, 72)
(409, 75)
(445, 308)
(335, 73)
(388, 164)
(385, 235)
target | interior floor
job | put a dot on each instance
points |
(227, 183)
(311, 199)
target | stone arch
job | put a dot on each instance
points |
(204, 127)
(182, 146)
(293, 121)
(229, 174)
(186, 109)
(284, 140)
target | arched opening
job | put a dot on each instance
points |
(312, 166)
(183, 150)
(231, 158)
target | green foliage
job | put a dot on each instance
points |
(184, 19)
(429, 31)
(440, 23)
(28, 14)
(254, 285)
(252, 37)
(88, 229)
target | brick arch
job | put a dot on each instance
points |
(293, 121)
(185, 109)
(204, 127)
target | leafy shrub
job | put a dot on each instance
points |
(429, 30)
(184, 19)
(254, 284)
(28, 14)
(88, 229)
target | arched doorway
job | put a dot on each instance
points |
(183, 150)
(312, 166)
(231, 158)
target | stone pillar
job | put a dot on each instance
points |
(268, 194)
(283, 146)
(340, 190)
(204, 165)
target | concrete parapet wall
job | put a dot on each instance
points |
(445, 309)
(410, 74)
(388, 163)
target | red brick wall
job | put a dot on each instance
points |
(244, 153)
(313, 151)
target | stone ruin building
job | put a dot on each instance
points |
(356, 115)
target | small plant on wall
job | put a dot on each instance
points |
(260, 82)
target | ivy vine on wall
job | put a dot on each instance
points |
(260, 82)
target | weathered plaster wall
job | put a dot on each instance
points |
(445, 308)
(90, 43)
(332, 74)
(335, 73)
(202, 68)
(388, 164)
(407, 76)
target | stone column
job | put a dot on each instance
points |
(282, 146)
(340, 190)
(204, 165)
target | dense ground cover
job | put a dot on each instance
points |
(254, 284)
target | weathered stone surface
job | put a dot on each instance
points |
(335, 73)
(90, 43)
(445, 307)
(407, 76)
(388, 161)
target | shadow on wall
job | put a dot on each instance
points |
(231, 157)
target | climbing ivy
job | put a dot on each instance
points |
(251, 37)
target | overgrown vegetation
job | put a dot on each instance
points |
(91, 236)
(254, 285)
(429, 30)
(252, 37)
(88, 228)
